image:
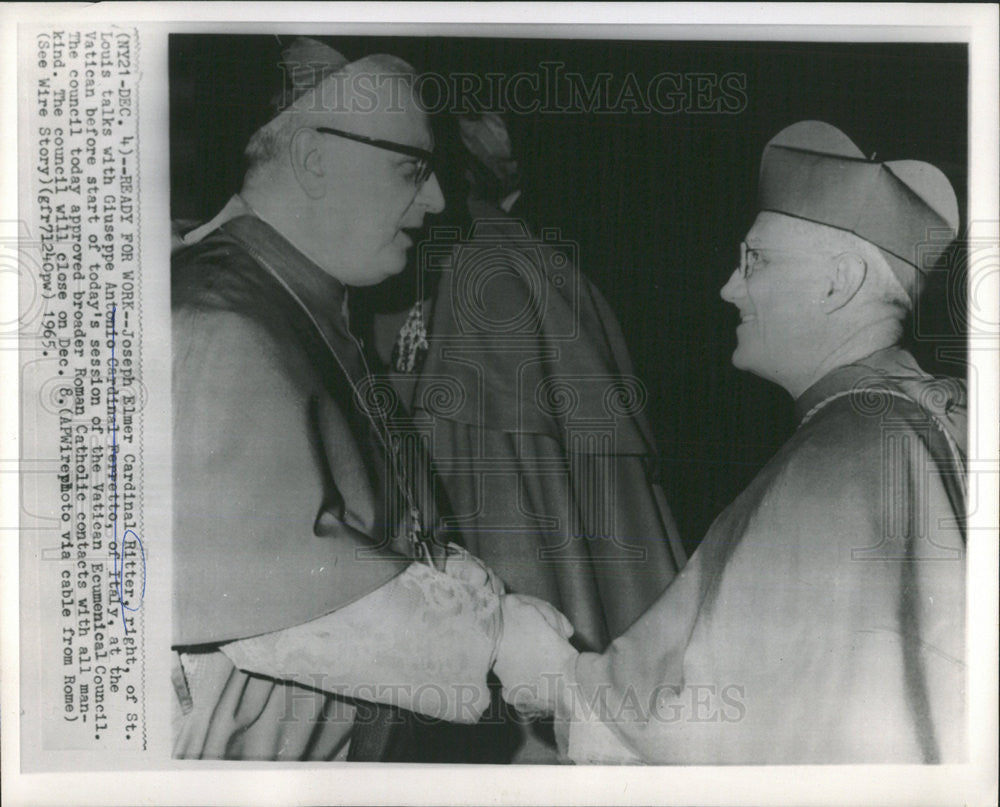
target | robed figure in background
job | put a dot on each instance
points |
(537, 424)
(519, 371)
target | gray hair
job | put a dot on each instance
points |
(881, 284)
(270, 142)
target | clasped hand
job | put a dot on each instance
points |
(534, 660)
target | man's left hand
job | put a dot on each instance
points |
(534, 660)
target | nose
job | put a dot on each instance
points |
(430, 195)
(734, 288)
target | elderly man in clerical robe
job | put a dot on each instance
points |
(311, 598)
(821, 620)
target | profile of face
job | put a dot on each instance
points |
(778, 288)
(367, 196)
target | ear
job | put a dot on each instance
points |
(846, 276)
(309, 162)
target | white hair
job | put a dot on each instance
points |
(881, 282)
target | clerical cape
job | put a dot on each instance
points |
(821, 620)
(287, 506)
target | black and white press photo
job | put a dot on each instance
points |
(499, 403)
(559, 401)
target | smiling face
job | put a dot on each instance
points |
(780, 330)
(369, 196)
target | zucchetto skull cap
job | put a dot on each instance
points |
(305, 64)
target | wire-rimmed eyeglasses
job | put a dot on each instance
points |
(749, 258)
(752, 257)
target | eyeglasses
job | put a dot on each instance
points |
(424, 158)
(749, 259)
(752, 257)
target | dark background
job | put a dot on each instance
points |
(657, 203)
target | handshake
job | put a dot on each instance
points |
(534, 659)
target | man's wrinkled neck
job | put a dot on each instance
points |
(276, 210)
(846, 349)
(289, 217)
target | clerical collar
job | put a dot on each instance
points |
(884, 365)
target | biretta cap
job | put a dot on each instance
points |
(813, 171)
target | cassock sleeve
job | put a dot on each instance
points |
(269, 488)
(424, 641)
(585, 739)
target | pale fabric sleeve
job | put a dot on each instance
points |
(424, 641)
(582, 737)
(591, 742)
(800, 632)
